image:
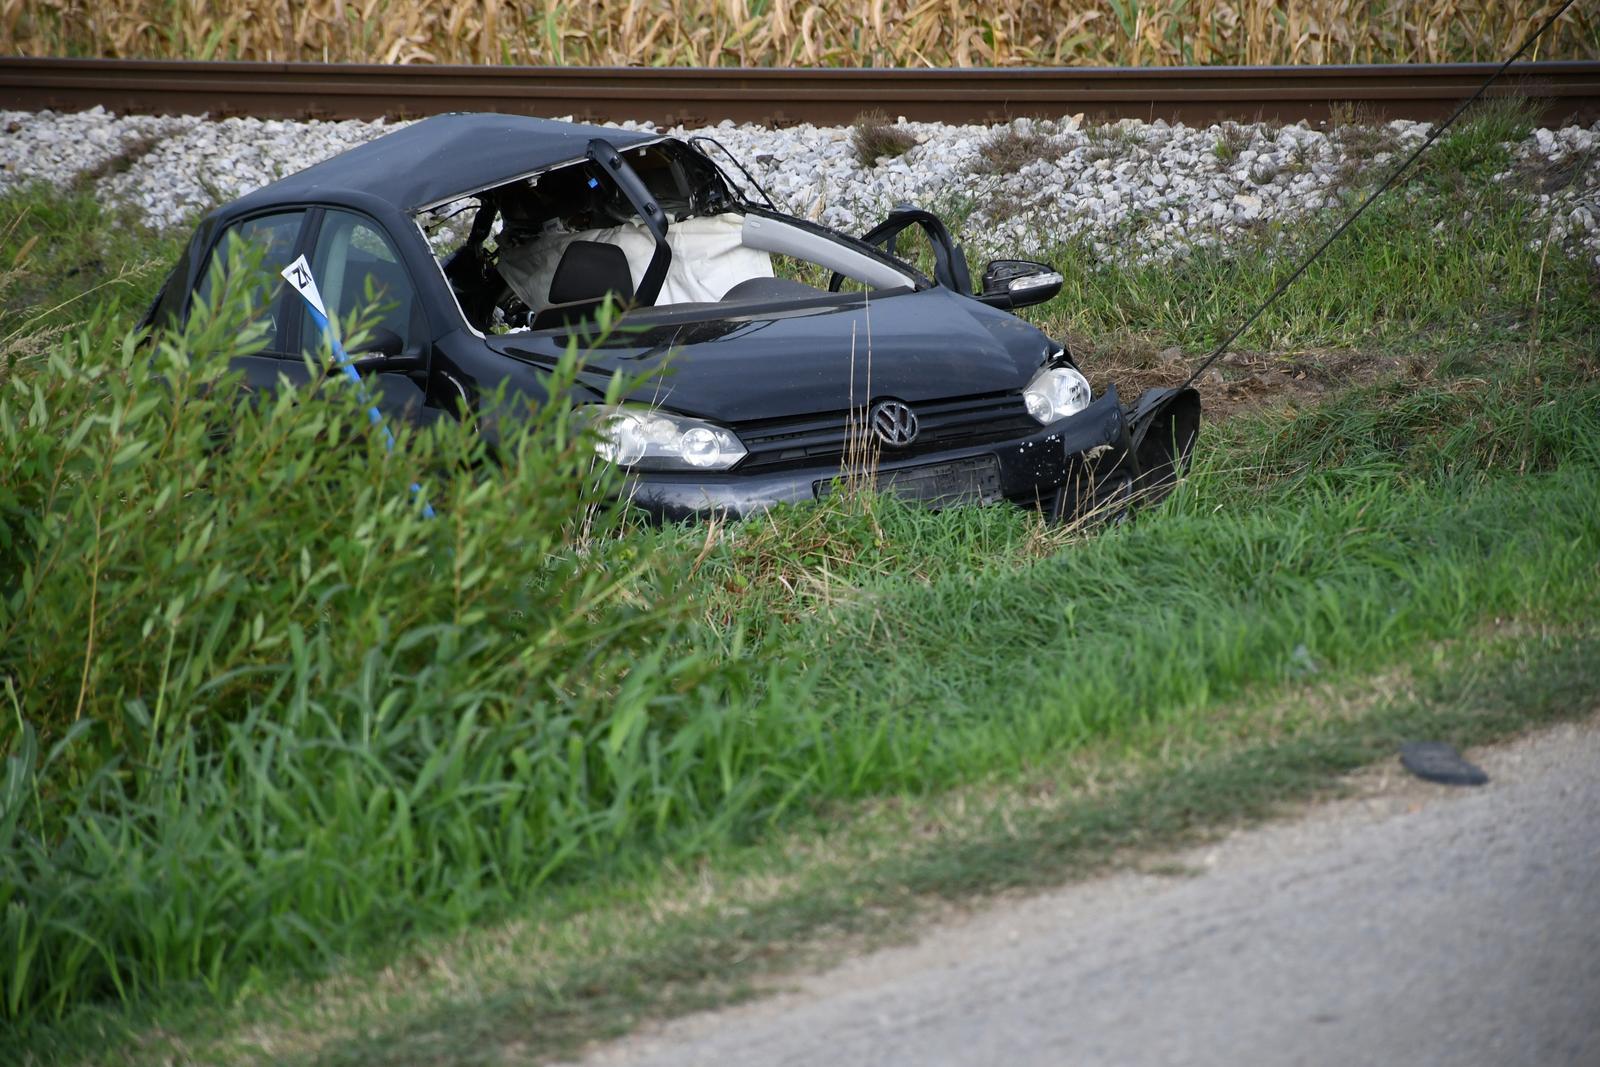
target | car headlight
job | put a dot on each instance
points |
(1055, 393)
(648, 440)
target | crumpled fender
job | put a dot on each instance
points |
(1163, 428)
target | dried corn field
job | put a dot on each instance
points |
(786, 33)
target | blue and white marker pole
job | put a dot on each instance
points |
(298, 274)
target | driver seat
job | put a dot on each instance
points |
(587, 273)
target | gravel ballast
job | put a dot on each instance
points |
(1133, 191)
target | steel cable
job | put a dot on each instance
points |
(1394, 176)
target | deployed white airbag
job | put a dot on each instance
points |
(708, 259)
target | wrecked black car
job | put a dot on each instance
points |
(767, 349)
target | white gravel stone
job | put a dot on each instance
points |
(1132, 191)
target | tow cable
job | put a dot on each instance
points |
(1388, 182)
(298, 274)
(1433, 761)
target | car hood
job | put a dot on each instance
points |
(925, 345)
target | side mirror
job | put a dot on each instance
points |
(408, 363)
(382, 353)
(380, 341)
(1018, 283)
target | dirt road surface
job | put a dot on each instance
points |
(1412, 924)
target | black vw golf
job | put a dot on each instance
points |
(768, 350)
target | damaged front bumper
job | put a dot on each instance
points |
(1067, 468)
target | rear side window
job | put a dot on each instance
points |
(274, 238)
(352, 259)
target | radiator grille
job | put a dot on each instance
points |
(809, 440)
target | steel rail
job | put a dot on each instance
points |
(1568, 91)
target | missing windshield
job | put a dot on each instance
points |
(545, 252)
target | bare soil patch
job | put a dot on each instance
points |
(1241, 382)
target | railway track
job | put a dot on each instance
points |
(1570, 91)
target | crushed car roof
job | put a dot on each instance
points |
(445, 156)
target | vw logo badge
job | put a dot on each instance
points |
(894, 423)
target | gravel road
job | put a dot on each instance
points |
(1411, 924)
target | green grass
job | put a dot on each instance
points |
(981, 670)
(1409, 274)
(69, 263)
(1445, 261)
(344, 800)
(262, 722)
(867, 886)
(258, 707)
(591, 961)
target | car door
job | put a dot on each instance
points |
(359, 270)
(276, 236)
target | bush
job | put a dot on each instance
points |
(873, 137)
(258, 708)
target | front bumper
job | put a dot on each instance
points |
(1061, 466)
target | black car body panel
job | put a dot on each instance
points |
(790, 372)
(925, 345)
(437, 159)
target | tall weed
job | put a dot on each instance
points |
(259, 708)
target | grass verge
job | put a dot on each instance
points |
(595, 964)
(891, 689)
